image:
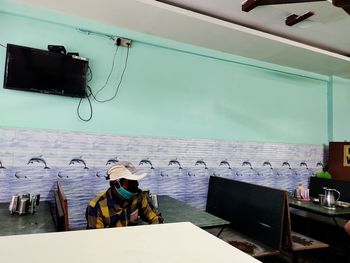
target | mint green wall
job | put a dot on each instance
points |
(169, 89)
(341, 109)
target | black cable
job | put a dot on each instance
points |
(91, 94)
(120, 81)
(94, 96)
(90, 74)
(112, 37)
(91, 111)
(109, 75)
(2, 45)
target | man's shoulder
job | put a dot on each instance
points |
(98, 198)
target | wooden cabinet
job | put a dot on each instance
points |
(339, 160)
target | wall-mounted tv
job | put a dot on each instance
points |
(37, 70)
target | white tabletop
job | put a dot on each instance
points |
(178, 243)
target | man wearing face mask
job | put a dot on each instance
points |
(123, 203)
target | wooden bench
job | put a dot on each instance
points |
(301, 242)
(255, 213)
(259, 216)
(245, 243)
(61, 209)
(295, 242)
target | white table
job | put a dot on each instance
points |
(165, 243)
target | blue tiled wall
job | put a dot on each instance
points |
(33, 160)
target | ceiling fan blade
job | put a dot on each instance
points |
(278, 2)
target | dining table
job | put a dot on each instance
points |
(40, 221)
(317, 208)
(159, 243)
(174, 210)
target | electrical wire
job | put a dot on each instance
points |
(90, 74)
(119, 83)
(90, 93)
(3, 45)
(89, 32)
(88, 97)
(90, 106)
(109, 75)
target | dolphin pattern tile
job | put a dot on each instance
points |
(33, 160)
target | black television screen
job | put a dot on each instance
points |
(37, 70)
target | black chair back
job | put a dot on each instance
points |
(254, 210)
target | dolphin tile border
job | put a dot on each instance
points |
(33, 160)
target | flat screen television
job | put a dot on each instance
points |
(37, 70)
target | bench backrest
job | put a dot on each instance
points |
(62, 208)
(253, 210)
(316, 187)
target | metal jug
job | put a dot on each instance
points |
(14, 204)
(23, 206)
(329, 197)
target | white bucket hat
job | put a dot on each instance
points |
(124, 170)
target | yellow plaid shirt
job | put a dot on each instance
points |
(107, 210)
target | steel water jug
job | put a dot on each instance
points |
(329, 197)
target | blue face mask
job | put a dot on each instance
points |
(127, 195)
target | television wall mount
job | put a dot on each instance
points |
(57, 49)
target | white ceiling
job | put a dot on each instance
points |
(327, 29)
(320, 44)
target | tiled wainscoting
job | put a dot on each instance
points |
(33, 160)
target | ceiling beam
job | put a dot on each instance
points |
(294, 19)
(249, 5)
